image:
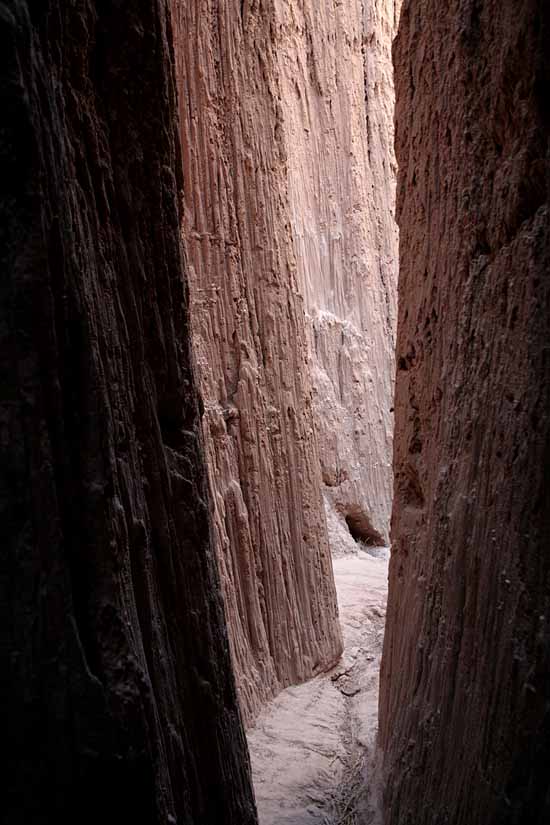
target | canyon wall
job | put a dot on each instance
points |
(337, 103)
(251, 350)
(465, 687)
(118, 703)
(288, 206)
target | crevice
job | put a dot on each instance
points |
(361, 529)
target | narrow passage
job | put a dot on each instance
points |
(312, 747)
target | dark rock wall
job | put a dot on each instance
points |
(465, 691)
(117, 701)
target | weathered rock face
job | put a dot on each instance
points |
(337, 105)
(251, 351)
(117, 696)
(465, 692)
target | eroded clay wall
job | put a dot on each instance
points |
(250, 349)
(337, 103)
(465, 688)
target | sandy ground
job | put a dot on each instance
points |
(312, 747)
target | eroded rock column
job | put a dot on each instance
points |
(251, 351)
(465, 690)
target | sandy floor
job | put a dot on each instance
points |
(312, 747)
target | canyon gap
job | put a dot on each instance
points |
(119, 700)
(292, 247)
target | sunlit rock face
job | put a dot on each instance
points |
(118, 703)
(251, 350)
(465, 693)
(336, 87)
(286, 121)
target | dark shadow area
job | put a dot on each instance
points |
(361, 528)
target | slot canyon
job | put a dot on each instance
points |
(275, 412)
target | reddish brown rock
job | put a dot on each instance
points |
(118, 703)
(465, 691)
(250, 349)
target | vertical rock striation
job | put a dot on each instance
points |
(465, 692)
(117, 697)
(337, 104)
(251, 351)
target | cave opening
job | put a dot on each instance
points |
(361, 529)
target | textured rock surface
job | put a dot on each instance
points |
(337, 105)
(117, 700)
(249, 336)
(465, 691)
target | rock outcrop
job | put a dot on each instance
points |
(118, 703)
(251, 350)
(337, 111)
(465, 687)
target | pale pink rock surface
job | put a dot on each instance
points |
(337, 102)
(251, 351)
